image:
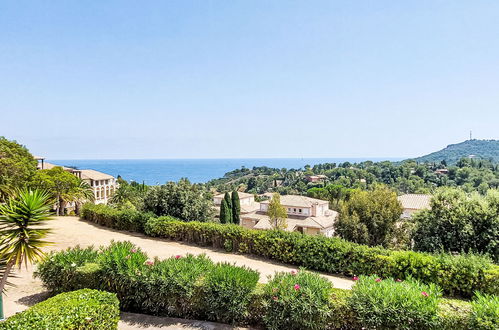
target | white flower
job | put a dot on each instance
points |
(73, 265)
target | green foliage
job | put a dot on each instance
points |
(182, 200)
(225, 212)
(459, 222)
(388, 304)
(123, 219)
(298, 300)
(485, 149)
(236, 207)
(456, 275)
(228, 201)
(277, 213)
(17, 167)
(227, 292)
(82, 309)
(334, 193)
(454, 314)
(485, 312)
(369, 217)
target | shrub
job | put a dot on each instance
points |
(298, 300)
(62, 271)
(389, 304)
(82, 309)
(485, 312)
(126, 219)
(454, 314)
(227, 292)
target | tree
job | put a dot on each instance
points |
(182, 200)
(459, 222)
(62, 185)
(228, 200)
(225, 212)
(17, 167)
(22, 229)
(236, 207)
(369, 217)
(277, 213)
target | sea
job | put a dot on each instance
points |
(160, 171)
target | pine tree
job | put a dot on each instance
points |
(225, 212)
(228, 200)
(236, 207)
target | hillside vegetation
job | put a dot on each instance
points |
(483, 149)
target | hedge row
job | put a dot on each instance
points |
(460, 275)
(82, 309)
(194, 287)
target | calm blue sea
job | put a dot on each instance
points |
(159, 171)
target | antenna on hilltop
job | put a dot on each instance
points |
(471, 135)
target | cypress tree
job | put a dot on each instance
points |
(236, 207)
(228, 200)
(225, 212)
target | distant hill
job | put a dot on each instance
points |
(482, 149)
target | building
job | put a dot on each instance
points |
(316, 178)
(247, 202)
(412, 203)
(306, 215)
(103, 185)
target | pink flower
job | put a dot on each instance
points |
(133, 250)
(378, 280)
(294, 272)
(297, 287)
(398, 280)
(355, 278)
(275, 298)
(178, 256)
(424, 293)
(128, 257)
(149, 263)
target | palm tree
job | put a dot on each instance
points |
(22, 230)
(79, 194)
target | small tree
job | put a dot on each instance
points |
(236, 207)
(228, 200)
(225, 216)
(277, 212)
(23, 228)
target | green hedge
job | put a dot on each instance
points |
(457, 275)
(82, 309)
(104, 215)
(194, 287)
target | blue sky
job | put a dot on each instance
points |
(210, 79)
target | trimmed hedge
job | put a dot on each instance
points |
(82, 309)
(194, 287)
(456, 275)
(104, 215)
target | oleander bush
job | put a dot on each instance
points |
(194, 287)
(485, 312)
(460, 275)
(82, 309)
(297, 300)
(395, 304)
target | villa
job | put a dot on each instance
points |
(412, 203)
(103, 185)
(306, 215)
(247, 202)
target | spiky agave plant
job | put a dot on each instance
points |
(22, 230)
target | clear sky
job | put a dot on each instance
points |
(210, 79)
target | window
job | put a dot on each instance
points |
(294, 210)
(299, 210)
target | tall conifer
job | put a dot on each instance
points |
(236, 207)
(228, 200)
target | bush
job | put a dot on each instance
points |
(227, 292)
(126, 219)
(298, 300)
(82, 309)
(389, 304)
(454, 314)
(65, 270)
(485, 312)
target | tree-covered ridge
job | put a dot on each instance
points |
(405, 177)
(482, 149)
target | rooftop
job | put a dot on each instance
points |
(415, 201)
(299, 201)
(94, 175)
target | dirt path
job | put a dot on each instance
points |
(70, 231)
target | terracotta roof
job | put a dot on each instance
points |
(292, 222)
(299, 201)
(49, 166)
(94, 175)
(415, 201)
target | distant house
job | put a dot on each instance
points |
(412, 203)
(247, 202)
(306, 215)
(316, 178)
(103, 185)
(442, 171)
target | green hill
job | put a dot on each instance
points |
(482, 149)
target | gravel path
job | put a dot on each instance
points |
(71, 231)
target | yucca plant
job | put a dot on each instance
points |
(22, 230)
